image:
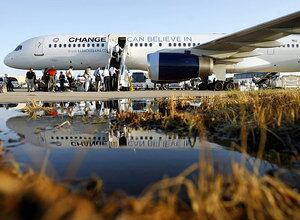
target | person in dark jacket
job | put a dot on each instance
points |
(62, 79)
(30, 80)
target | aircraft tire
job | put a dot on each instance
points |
(218, 86)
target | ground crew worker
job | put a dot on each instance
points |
(106, 76)
(52, 80)
(30, 78)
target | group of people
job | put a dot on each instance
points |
(105, 80)
(7, 81)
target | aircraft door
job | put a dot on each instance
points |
(39, 48)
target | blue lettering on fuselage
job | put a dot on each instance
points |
(160, 39)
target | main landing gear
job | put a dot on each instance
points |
(217, 85)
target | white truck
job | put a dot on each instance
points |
(141, 80)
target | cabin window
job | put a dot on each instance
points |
(141, 44)
(189, 44)
(198, 44)
(78, 45)
(50, 45)
(170, 45)
(74, 45)
(194, 44)
(88, 45)
(83, 45)
(160, 44)
(70, 45)
(93, 45)
(174, 44)
(288, 45)
(102, 44)
(150, 44)
(55, 45)
(184, 44)
(131, 44)
(65, 45)
(136, 44)
(60, 45)
(179, 44)
(98, 45)
(293, 45)
(297, 45)
(52, 137)
(146, 45)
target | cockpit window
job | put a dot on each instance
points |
(19, 48)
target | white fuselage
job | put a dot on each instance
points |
(81, 51)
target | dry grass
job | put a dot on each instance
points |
(252, 122)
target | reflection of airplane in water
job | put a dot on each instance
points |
(61, 132)
(96, 133)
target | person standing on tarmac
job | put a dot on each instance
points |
(70, 78)
(98, 78)
(112, 73)
(30, 78)
(62, 79)
(106, 76)
(87, 78)
(52, 80)
(45, 79)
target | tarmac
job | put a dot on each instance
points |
(22, 96)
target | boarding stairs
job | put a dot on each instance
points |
(118, 61)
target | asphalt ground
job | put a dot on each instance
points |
(21, 96)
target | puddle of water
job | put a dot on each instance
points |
(79, 140)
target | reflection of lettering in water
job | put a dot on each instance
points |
(159, 143)
(88, 143)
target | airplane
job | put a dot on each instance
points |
(273, 46)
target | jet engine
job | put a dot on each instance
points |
(176, 67)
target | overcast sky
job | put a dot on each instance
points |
(23, 19)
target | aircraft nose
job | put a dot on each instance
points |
(8, 60)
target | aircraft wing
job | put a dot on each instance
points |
(260, 36)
